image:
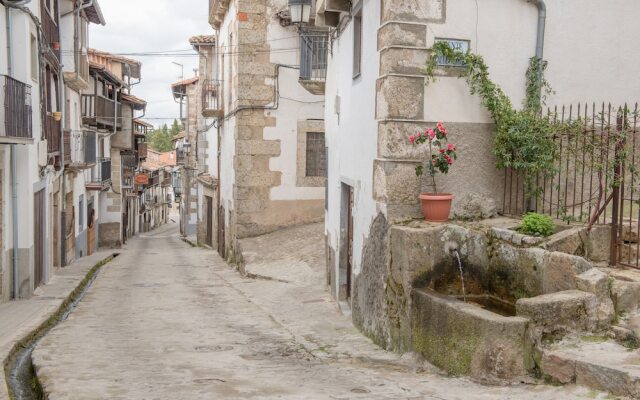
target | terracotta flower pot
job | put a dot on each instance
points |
(57, 116)
(436, 206)
(56, 46)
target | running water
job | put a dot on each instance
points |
(464, 295)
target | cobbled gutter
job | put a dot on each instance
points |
(21, 377)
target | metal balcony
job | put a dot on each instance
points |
(181, 157)
(314, 49)
(50, 27)
(80, 149)
(143, 150)
(100, 175)
(212, 99)
(15, 111)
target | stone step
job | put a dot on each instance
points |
(594, 362)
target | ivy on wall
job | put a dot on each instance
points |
(523, 139)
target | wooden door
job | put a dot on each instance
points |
(209, 206)
(221, 233)
(349, 241)
(39, 228)
(91, 230)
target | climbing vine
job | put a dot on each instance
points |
(523, 139)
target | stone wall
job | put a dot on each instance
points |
(109, 235)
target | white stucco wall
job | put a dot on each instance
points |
(351, 136)
(295, 104)
(589, 50)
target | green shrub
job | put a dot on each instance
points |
(537, 225)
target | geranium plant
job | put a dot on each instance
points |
(441, 153)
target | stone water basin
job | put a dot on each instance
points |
(467, 339)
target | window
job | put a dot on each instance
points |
(35, 64)
(357, 42)
(316, 155)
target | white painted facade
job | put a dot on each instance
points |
(590, 53)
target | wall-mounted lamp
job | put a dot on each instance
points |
(300, 11)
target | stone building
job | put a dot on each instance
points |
(269, 123)
(377, 95)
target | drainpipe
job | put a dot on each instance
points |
(542, 21)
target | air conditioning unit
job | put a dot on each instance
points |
(42, 153)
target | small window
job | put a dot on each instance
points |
(316, 155)
(35, 64)
(357, 43)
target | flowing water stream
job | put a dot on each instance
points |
(457, 254)
(21, 377)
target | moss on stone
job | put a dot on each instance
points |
(594, 338)
(451, 350)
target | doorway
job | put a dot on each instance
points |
(346, 243)
(39, 229)
(221, 233)
(208, 200)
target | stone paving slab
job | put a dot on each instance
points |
(20, 318)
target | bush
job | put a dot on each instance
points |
(537, 225)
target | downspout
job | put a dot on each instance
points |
(63, 122)
(542, 22)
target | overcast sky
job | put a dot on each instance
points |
(142, 26)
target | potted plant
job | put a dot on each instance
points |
(435, 206)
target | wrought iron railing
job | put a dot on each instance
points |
(181, 157)
(16, 109)
(102, 171)
(80, 148)
(129, 160)
(143, 150)
(314, 49)
(211, 98)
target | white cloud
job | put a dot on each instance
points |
(143, 26)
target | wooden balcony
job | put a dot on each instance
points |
(15, 111)
(50, 28)
(212, 99)
(53, 134)
(99, 111)
(100, 175)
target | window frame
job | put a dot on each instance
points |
(357, 40)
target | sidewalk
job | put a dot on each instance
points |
(21, 318)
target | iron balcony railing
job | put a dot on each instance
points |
(212, 99)
(181, 157)
(80, 148)
(101, 173)
(314, 48)
(154, 180)
(129, 160)
(15, 109)
(98, 110)
(143, 148)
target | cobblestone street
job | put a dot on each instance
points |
(168, 321)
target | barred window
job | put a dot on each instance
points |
(316, 154)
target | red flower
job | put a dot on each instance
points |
(419, 135)
(449, 160)
(442, 151)
(412, 139)
(442, 129)
(451, 147)
(431, 133)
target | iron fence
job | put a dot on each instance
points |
(314, 49)
(595, 177)
(16, 111)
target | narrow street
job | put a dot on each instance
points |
(169, 321)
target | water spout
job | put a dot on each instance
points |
(457, 256)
